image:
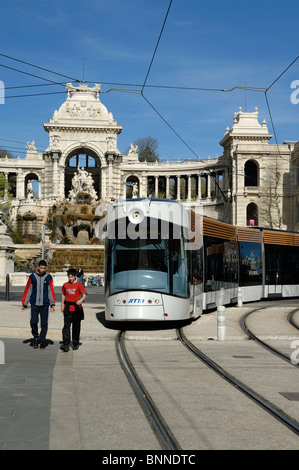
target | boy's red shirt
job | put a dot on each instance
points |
(73, 292)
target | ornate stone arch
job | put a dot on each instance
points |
(83, 157)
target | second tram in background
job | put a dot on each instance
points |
(164, 262)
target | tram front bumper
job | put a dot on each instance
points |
(130, 313)
(134, 305)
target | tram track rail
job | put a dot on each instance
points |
(288, 421)
(262, 343)
(291, 318)
(160, 428)
(158, 424)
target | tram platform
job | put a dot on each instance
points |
(14, 323)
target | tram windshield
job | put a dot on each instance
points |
(156, 264)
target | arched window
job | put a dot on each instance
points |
(251, 176)
(252, 214)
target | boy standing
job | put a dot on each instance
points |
(73, 294)
(39, 291)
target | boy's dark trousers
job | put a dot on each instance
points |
(73, 318)
(43, 311)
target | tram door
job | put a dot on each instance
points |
(273, 277)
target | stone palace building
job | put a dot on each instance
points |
(253, 183)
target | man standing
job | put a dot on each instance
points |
(39, 291)
(73, 294)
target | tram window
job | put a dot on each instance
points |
(151, 264)
(282, 264)
(197, 265)
(221, 263)
(250, 264)
(151, 255)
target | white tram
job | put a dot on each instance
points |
(164, 262)
(148, 262)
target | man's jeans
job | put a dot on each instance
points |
(43, 311)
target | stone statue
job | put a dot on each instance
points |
(30, 194)
(133, 149)
(31, 146)
(82, 185)
(134, 190)
(133, 154)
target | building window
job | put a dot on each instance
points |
(252, 215)
(251, 173)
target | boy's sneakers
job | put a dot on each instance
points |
(43, 345)
(65, 347)
(34, 343)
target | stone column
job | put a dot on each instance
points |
(6, 186)
(55, 174)
(199, 186)
(20, 186)
(167, 187)
(178, 188)
(189, 188)
(156, 186)
(208, 185)
(109, 182)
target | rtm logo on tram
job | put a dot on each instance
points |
(136, 301)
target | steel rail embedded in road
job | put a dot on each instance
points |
(157, 421)
(274, 411)
(291, 318)
(251, 335)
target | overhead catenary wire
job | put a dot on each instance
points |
(30, 74)
(33, 86)
(38, 67)
(156, 48)
(282, 73)
(36, 94)
(250, 88)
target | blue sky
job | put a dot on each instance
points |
(215, 45)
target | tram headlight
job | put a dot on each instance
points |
(136, 216)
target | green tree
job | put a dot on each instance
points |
(148, 155)
(5, 153)
(147, 149)
(4, 186)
